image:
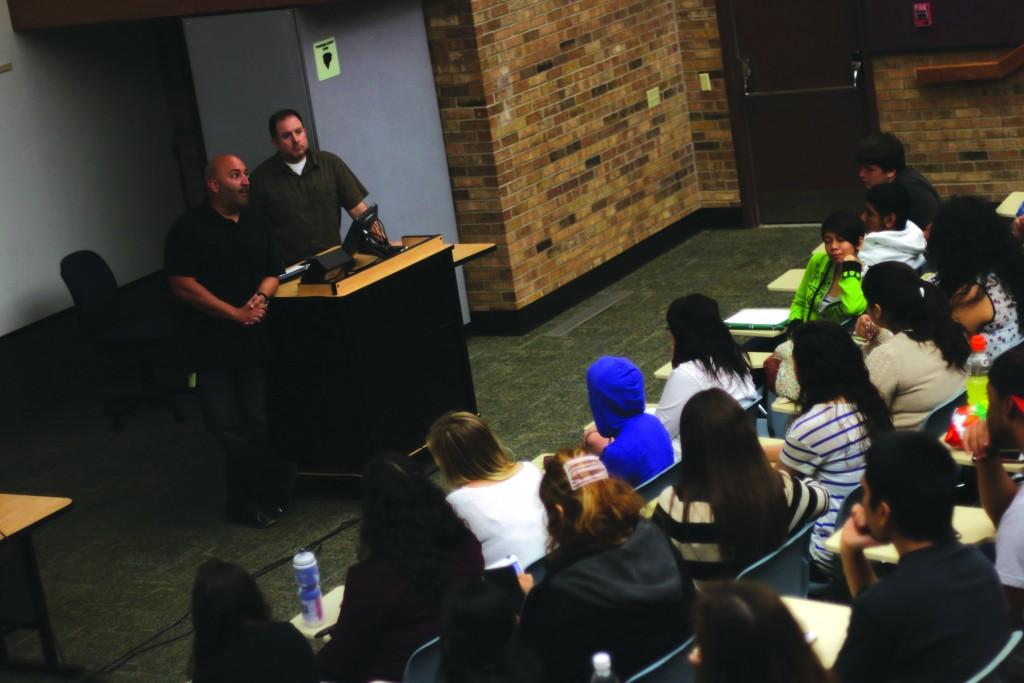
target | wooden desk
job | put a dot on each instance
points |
(784, 406)
(757, 359)
(368, 363)
(22, 599)
(961, 458)
(972, 523)
(332, 606)
(826, 620)
(788, 281)
(1008, 207)
(755, 333)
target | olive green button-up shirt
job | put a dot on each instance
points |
(305, 210)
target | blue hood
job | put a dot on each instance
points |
(616, 390)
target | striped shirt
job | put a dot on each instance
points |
(694, 533)
(827, 443)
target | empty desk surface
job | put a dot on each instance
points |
(788, 281)
(1009, 206)
(961, 458)
(972, 523)
(826, 620)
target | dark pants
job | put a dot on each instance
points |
(234, 404)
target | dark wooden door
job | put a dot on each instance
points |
(800, 102)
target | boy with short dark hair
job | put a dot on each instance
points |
(940, 615)
(880, 159)
(890, 235)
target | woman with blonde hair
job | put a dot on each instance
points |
(614, 582)
(496, 496)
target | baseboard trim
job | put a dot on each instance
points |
(568, 295)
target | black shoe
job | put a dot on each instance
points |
(276, 511)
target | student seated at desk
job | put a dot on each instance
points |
(881, 160)
(890, 236)
(497, 497)
(744, 633)
(632, 444)
(841, 413)
(1001, 497)
(916, 352)
(704, 355)
(235, 640)
(614, 582)
(478, 625)
(830, 288)
(980, 267)
(412, 548)
(729, 507)
(940, 615)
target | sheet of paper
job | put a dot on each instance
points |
(760, 317)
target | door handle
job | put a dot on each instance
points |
(748, 75)
(856, 63)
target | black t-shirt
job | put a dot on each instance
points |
(924, 200)
(940, 616)
(262, 653)
(229, 259)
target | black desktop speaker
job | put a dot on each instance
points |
(329, 266)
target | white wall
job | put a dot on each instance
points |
(85, 161)
(380, 115)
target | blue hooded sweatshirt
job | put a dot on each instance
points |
(641, 447)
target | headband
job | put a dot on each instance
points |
(583, 470)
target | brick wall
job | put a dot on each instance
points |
(709, 111)
(553, 151)
(965, 137)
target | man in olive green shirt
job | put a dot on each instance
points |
(301, 191)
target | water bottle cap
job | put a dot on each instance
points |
(303, 560)
(602, 662)
(978, 342)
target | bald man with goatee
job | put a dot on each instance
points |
(221, 263)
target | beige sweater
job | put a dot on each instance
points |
(912, 377)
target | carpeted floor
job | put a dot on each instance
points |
(118, 567)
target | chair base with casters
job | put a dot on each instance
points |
(119, 338)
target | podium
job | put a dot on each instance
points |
(367, 364)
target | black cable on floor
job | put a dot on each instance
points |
(146, 645)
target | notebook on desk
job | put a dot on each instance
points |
(758, 319)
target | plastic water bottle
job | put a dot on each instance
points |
(978, 364)
(603, 669)
(307, 576)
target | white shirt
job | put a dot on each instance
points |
(1010, 543)
(906, 246)
(297, 166)
(686, 380)
(507, 516)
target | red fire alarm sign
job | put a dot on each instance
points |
(922, 14)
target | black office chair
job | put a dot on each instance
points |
(95, 293)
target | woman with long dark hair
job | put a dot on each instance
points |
(746, 633)
(916, 351)
(412, 547)
(841, 412)
(980, 267)
(704, 355)
(729, 507)
(235, 639)
(614, 582)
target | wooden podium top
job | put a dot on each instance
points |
(20, 512)
(380, 271)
